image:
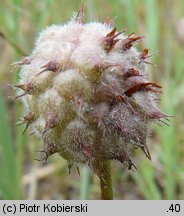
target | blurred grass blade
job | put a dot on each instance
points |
(148, 173)
(85, 183)
(130, 14)
(141, 184)
(90, 9)
(170, 151)
(145, 180)
(12, 43)
(8, 168)
(152, 23)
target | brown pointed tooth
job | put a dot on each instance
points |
(23, 61)
(154, 85)
(128, 42)
(112, 46)
(136, 38)
(80, 15)
(152, 90)
(144, 55)
(131, 72)
(27, 125)
(150, 87)
(28, 119)
(51, 122)
(78, 170)
(164, 123)
(109, 41)
(52, 65)
(21, 86)
(141, 87)
(146, 152)
(28, 88)
(132, 90)
(157, 115)
(116, 35)
(69, 166)
(24, 88)
(169, 116)
(111, 33)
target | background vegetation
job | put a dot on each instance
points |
(21, 176)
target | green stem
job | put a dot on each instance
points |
(104, 173)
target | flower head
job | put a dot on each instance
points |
(86, 93)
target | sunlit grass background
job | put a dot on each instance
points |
(21, 176)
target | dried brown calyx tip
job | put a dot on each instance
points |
(51, 122)
(149, 86)
(28, 120)
(52, 65)
(23, 61)
(27, 88)
(146, 151)
(144, 55)
(109, 41)
(130, 72)
(80, 14)
(130, 40)
(70, 165)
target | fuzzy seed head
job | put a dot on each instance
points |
(86, 93)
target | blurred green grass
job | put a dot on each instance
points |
(20, 23)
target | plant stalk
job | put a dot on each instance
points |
(104, 174)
